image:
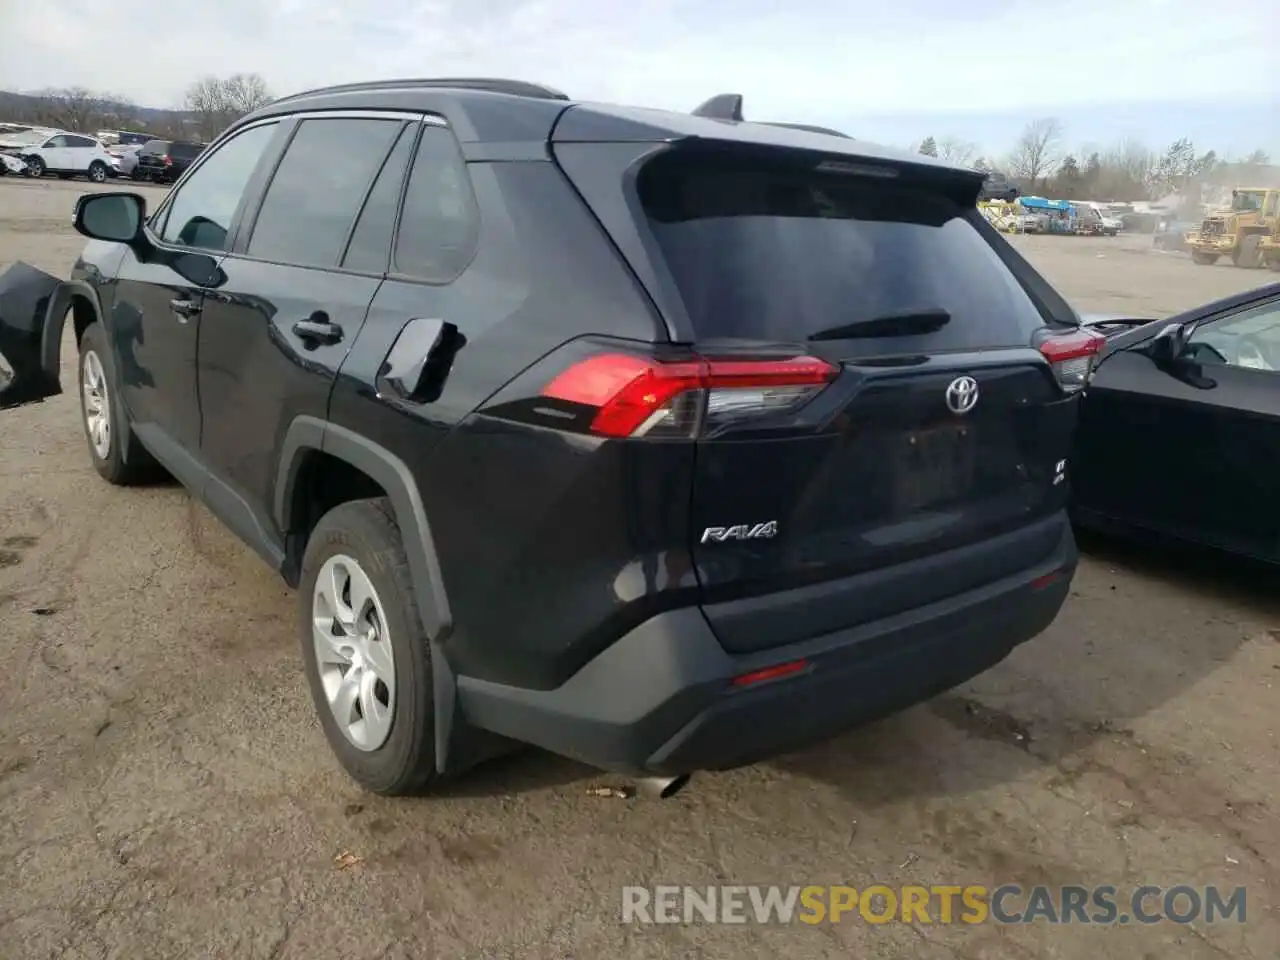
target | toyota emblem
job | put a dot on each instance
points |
(962, 394)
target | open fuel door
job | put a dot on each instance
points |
(26, 295)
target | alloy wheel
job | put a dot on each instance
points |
(97, 407)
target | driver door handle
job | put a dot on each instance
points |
(184, 308)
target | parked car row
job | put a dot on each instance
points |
(37, 152)
(808, 435)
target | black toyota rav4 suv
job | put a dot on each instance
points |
(665, 442)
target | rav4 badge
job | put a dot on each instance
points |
(741, 531)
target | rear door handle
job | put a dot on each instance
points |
(318, 329)
(183, 307)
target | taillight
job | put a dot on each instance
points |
(1072, 357)
(168, 160)
(635, 396)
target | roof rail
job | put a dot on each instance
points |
(517, 88)
(723, 106)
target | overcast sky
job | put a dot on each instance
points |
(896, 71)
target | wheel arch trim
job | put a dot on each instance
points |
(307, 435)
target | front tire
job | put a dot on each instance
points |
(116, 453)
(367, 661)
(35, 167)
(1203, 259)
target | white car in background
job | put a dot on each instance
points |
(68, 155)
(126, 159)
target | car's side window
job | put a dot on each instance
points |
(55, 142)
(318, 188)
(1249, 339)
(202, 209)
(370, 244)
(440, 222)
(81, 142)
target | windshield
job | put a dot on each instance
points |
(1246, 202)
(25, 138)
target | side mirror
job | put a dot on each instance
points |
(1168, 345)
(115, 217)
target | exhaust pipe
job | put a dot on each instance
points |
(662, 788)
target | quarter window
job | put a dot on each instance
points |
(202, 210)
(439, 223)
(318, 189)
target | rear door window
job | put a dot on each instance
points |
(778, 254)
(370, 243)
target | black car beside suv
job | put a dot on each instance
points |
(665, 442)
(164, 161)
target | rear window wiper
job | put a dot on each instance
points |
(906, 324)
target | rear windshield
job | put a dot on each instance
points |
(185, 150)
(156, 146)
(779, 254)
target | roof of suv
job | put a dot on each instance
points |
(488, 110)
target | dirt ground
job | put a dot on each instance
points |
(165, 790)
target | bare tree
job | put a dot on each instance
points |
(204, 101)
(1035, 155)
(73, 108)
(957, 151)
(216, 103)
(245, 92)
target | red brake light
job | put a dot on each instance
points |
(633, 395)
(168, 160)
(1072, 357)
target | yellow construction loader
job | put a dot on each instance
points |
(1240, 231)
(1270, 247)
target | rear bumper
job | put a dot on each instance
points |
(661, 701)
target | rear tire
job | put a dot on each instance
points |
(98, 172)
(356, 555)
(116, 453)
